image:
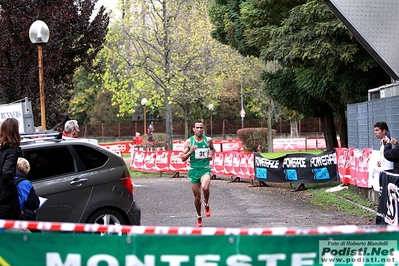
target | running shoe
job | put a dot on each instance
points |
(207, 210)
(199, 221)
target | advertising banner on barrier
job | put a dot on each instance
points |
(238, 164)
(389, 199)
(297, 168)
(151, 250)
(357, 167)
(118, 147)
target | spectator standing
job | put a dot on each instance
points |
(28, 200)
(380, 131)
(71, 129)
(150, 132)
(9, 147)
(137, 140)
(150, 129)
(199, 148)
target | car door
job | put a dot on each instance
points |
(55, 177)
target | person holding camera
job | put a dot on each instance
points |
(391, 152)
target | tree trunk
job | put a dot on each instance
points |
(186, 128)
(294, 128)
(329, 132)
(343, 127)
(168, 121)
(269, 130)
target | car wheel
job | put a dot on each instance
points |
(107, 217)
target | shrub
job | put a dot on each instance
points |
(159, 141)
(253, 139)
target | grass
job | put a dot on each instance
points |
(273, 155)
(345, 200)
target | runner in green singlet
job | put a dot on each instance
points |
(199, 148)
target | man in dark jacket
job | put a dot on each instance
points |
(391, 152)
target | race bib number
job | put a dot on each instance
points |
(201, 153)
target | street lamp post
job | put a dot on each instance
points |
(210, 107)
(143, 103)
(39, 34)
(242, 114)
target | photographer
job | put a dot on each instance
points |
(391, 152)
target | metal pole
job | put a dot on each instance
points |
(211, 126)
(242, 101)
(145, 122)
(41, 87)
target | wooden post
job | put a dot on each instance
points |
(41, 87)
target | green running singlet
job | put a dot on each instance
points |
(199, 162)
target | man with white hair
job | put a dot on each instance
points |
(71, 129)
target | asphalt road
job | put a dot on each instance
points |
(170, 202)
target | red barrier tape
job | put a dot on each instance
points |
(166, 230)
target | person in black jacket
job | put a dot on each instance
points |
(28, 200)
(9, 147)
(391, 152)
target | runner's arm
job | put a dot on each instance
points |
(186, 150)
(211, 148)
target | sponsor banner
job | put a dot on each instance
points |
(220, 145)
(387, 212)
(297, 168)
(157, 161)
(343, 164)
(374, 170)
(289, 144)
(234, 145)
(202, 249)
(299, 144)
(230, 145)
(239, 164)
(358, 167)
(118, 147)
(178, 145)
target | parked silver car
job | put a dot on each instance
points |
(82, 182)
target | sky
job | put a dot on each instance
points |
(107, 3)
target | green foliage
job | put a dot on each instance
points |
(320, 51)
(75, 40)
(87, 87)
(176, 65)
(319, 61)
(253, 139)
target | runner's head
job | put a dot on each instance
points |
(198, 128)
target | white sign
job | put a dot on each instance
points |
(14, 110)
